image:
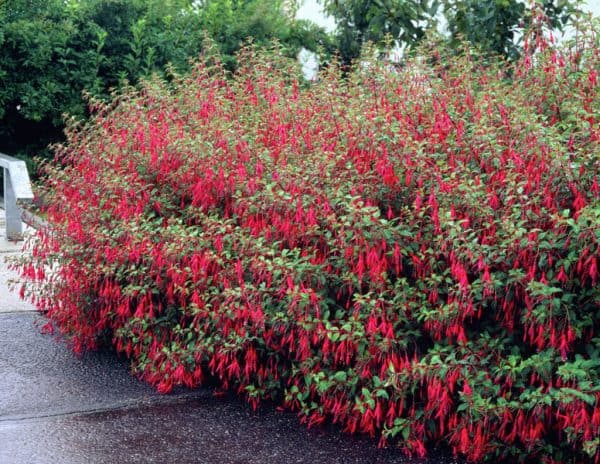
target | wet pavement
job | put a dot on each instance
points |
(9, 301)
(56, 407)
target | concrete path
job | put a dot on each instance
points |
(56, 407)
(9, 300)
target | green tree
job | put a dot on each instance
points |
(43, 68)
(488, 24)
(52, 51)
(361, 21)
(492, 24)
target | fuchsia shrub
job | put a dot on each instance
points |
(412, 253)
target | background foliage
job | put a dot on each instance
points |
(51, 52)
(492, 25)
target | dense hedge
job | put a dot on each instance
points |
(410, 253)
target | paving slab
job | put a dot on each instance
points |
(9, 290)
(40, 376)
(195, 431)
(9, 296)
(11, 246)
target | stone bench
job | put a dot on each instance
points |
(17, 190)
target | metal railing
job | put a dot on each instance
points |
(17, 189)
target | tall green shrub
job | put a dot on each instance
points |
(53, 52)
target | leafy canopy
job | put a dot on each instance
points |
(489, 24)
(51, 52)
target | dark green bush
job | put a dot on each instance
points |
(53, 52)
